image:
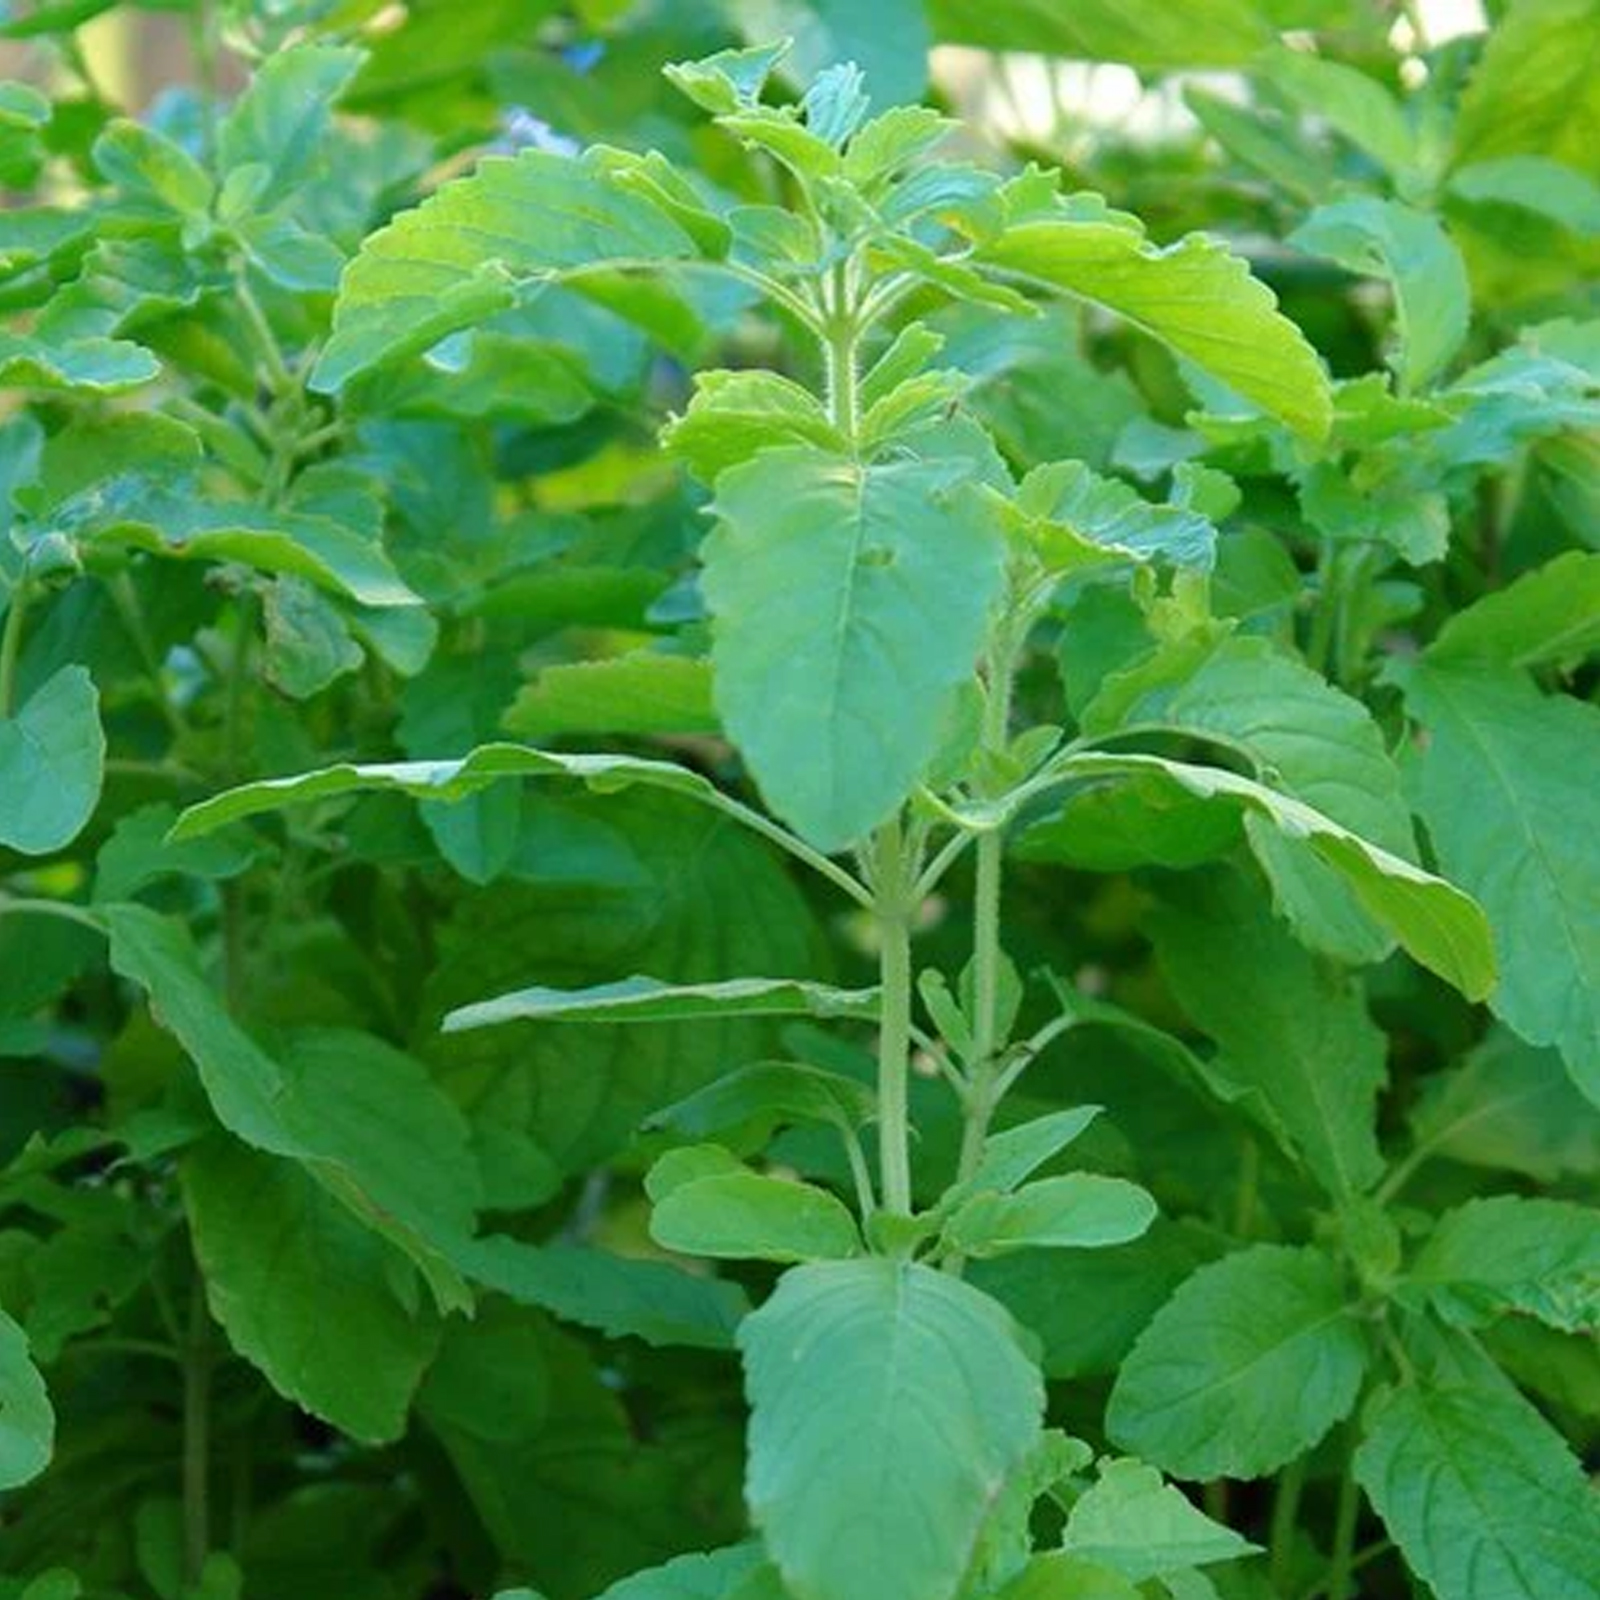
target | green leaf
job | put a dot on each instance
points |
(1304, 738)
(1409, 248)
(889, 41)
(1504, 773)
(1081, 1211)
(854, 1365)
(621, 1296)
(1291, 1030)
(308, 641)
(850, 604)
(734, 416)
(1351, 102)
(1481, 1495)
(281, 121)
(1435, 922)
(27, 1423)
(1060, 1575)
(98, 366)
(1246, 1367)
(1086, 1307)
(643, 692)
(305, 1292)
(640, 999)
(1550, 616)
(746, 1215)
(362, 1118)
(151, 170)
(444, 780)
(1143, 1528)
(1071, 499)
(459, 257)
(1195, 296)
(450, 707)
(1509, 1106)
(1534, 89)
(1202, 33)
(1549, 189)
(1540, 1258)
(716, 1575)
(1016, 1153)
(52, 763)
(766, 1095)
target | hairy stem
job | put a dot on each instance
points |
(893, 915)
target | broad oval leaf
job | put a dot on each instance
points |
(1246, 1367)
(1196, 296)
(1143, 1528)
(850, 604)
(1016, 1153)
(1080, 1210)
(1436, 923)
(1481, 1494)
(456, 258)
(765, 1095)
(1505, 772)
(1509, 1254)
(52, 763)
(305, 1292)
(27, 1422)
(745, 1215)
(891, 1404)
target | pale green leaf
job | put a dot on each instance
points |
(1200, 33)
(1016, 1153)
(1539, 1258)
(52, 763)
(1481, 1494)
(305, 1292)
(1143, 1528)
(716, 1575)
(1409, 248)
(1436, 923)
(1246, 1367)
(743, 1215)
(1072, 500)
(1288, 1027)
(1550, 189)
(736, 415)
(850, 604)
(1535, 90)
(458, 257)
(643, 692)
(1550, 616)
(1350, 101)
(281, 121)
(1196, 296)
(27, 1422)
(639, 999)
(852, 1366)
(99, 366)
(1060, 1575)
(1504, 774)
(1081, 1211)
(621, 1296)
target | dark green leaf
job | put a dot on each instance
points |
(52, 762)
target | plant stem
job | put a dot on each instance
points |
(11, 645)
(985, 1002)
(15, 905)
(893, 914)
(197, 1435)
(1285, 1512)
(1344, 1534)
(839, 355)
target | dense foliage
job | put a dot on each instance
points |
(744, 854)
